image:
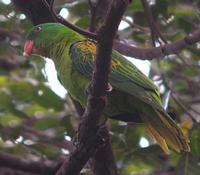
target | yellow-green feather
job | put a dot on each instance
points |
(133, 91)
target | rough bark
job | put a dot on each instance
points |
(89, 129)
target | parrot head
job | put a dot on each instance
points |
(41, 38)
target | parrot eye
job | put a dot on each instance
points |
(38, 29)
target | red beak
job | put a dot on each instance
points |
(28, 47)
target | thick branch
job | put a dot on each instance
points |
(39, 13)
(35, 10)
(103, 161)
(156, 34)
(14, 162)
(89, 128)
(167, 49)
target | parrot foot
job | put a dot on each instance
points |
(108, 89)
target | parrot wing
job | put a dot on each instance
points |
(124, 75)
(127, 78)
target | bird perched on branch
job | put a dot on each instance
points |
(134, 98)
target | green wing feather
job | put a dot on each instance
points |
(125, 77)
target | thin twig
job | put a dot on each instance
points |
(184, 108)
(176, 99)
(51, 5)
(90, 4)
(68, 24)
(133, 24)
(154, 28)
(93, 7)
(155, 32)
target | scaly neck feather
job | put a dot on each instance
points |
(60, 47)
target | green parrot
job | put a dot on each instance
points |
(134, 97)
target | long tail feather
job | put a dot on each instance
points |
(165, 131)
(160, 140)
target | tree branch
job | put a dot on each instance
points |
(98, 12)
(39, 13)
(140, 53)
(155, 52)
(40, 168)
(93, 6)
(65, 22)
(156, 34)
(89, 128)
(108, 167)
(103, 161)
(34, 10)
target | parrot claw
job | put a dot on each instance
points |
(109, 88)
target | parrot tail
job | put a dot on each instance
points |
(166, 132)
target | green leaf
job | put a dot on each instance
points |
(9, 119)
(48, 122)
(27, 92)
(5, 101)
(143, 160)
